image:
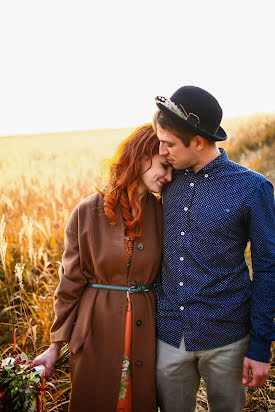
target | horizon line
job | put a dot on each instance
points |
(115, 127)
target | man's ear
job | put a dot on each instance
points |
(198, 143)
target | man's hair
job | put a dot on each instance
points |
(175, 127)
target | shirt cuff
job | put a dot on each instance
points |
(258, 349)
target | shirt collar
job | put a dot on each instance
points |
(219, 161)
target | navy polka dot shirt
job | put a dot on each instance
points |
(205, 290)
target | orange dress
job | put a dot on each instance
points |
(125, 403)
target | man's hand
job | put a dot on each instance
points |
(255, 373)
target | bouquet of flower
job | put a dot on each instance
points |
(20, 384)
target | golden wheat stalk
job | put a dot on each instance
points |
(3, 243)
(19, 269)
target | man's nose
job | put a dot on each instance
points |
(163, 149)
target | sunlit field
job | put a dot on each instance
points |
(42, 178)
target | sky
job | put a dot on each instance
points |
(79, 65)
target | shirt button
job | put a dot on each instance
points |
(181, 283)
(182, 308)
(206, 175)
(140, 246)
(138, 323)
(181, 258)
(182, 233)
(185, 209)
(139, 363)
(192, 184)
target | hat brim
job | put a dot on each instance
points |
(220, 134)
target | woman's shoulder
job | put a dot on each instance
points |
(84, 209)
(92, 201)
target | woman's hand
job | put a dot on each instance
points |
(48, 358)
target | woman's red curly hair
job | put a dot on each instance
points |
(125, 173)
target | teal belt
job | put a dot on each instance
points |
(131, 289)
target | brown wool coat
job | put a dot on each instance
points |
(93, 320)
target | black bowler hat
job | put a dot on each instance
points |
(195, 108)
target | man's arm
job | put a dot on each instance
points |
(261, 225)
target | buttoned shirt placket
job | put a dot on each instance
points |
(183, 237)
(192, 180)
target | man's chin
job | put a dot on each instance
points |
(176, 167)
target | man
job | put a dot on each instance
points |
(213, 321)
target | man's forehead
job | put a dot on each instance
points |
(166, 136)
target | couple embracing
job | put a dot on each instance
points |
(155, 293)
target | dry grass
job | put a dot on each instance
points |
(41, 179)
(251, 142)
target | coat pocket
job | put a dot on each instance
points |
(83, 320)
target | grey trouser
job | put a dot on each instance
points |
(178, 375)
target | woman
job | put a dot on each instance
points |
(105, 302)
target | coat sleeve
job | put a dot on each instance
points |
(71, 285)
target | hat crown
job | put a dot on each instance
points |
(201, 103)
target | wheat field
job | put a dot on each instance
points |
(42, 177)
